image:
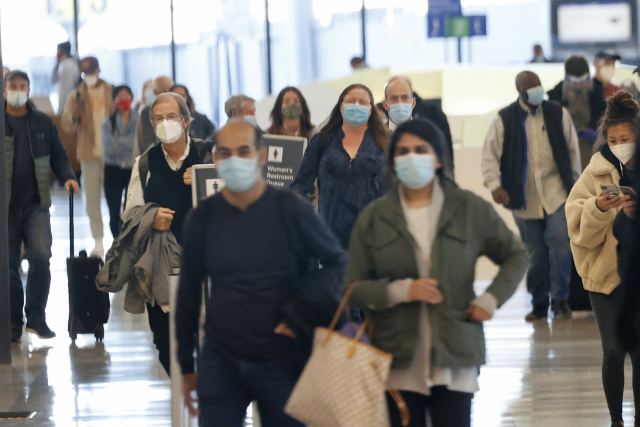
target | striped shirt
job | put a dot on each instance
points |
(544, 190)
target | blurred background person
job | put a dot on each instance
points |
(358, 63)
(530, 162)
(605, 64)
(241, 107)
(86, 108)
(118, 135)
(201, 127)
(583, 97)
(596, 237)
(145, 133)
(538, 55)
(290, 115)
(401, 86)
(5, 71)
(66, 73)
(347, 157)
(147, 95)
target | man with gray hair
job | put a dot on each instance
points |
(145, 135)
(241, 107)
(162, 176)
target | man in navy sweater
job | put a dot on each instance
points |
(239, 241)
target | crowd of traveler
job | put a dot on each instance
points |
(391, 226)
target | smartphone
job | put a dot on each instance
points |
(628, 191)
(610, 188)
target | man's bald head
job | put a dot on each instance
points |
(398, 84)
(238, 130)
(527, 80)
(162, 84)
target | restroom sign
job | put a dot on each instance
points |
(205, 182)
(284, 155)
(275, 154)
(214, 186)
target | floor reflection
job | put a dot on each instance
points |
(536, 375)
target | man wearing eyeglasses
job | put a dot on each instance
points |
(163, 176)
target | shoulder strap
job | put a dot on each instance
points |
(143, 170)
(288, 213)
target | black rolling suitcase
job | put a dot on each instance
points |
(88, 307)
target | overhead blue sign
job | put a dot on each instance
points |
(436, 26)
(445, 7)
(438, 12)
(477, 25)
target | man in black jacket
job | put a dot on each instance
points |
(422, 109)
(241, 241)
(33, 146)
(583, 97)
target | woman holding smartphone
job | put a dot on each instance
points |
(593, 205)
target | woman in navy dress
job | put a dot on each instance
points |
(348, 159)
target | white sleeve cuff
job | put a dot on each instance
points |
(487, 302)
(398, 292)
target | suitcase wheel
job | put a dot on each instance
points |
(99, 333)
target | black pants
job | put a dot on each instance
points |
(159, 324)
(116, 181)
(447, 408)
(616, 319)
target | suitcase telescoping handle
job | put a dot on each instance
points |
(71, 236)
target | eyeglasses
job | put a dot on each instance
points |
(171, 117)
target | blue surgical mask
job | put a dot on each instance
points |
(238, 174)
(415, 170)
(535, 95)
(400, 113)
(356, 115)
(251, 119)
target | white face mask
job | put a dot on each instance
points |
(624, 152)
(17, 98)
(607, 72)
(169, 131)
(251, 119)
(91, 79)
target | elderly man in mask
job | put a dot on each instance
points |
(162, 176)
(583, 97)
(145, 134)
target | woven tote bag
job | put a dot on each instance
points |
(344, 382)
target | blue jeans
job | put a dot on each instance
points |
(227, 385)
(33, 227)
(548, 243)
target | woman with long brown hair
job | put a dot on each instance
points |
(290, 115)
(348, 159)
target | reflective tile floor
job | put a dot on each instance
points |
(547, 374)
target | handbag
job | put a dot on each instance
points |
(344, 382)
